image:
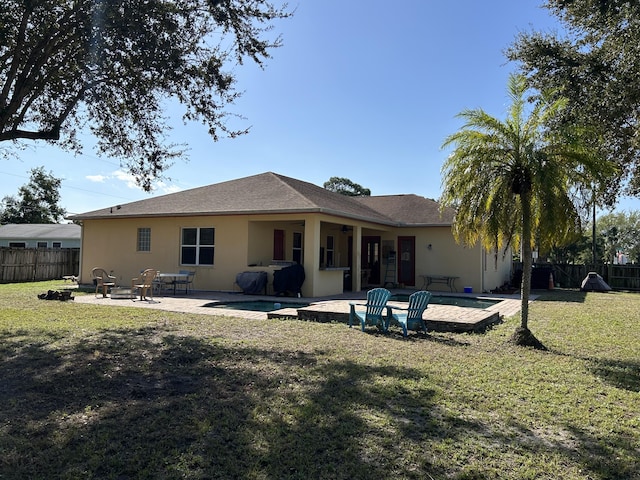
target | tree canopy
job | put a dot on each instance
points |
(37, 201)
(344, 186)
(595, 65)
(112, 65)
(513, 182)
(620, 232)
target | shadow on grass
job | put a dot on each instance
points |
(150, 404)
(560, 295)
(620, 374)
(617, 373)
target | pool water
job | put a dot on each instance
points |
(256, 305)
(451, 300)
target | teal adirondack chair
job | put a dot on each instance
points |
(410, 318)
(375, 308)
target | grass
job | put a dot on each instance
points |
(98, 392)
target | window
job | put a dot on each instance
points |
(144, 240)
(330, 251)
(57, 245)
(17, 245)
(42, 244)
(297, 247)
(197, 246)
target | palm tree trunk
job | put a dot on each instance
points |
(526, 259)
(522, 335)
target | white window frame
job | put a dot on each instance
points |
(198, 246)
(297, 250)
(331, 243)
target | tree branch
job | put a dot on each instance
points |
(52, 134)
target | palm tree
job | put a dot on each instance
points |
(515, 180)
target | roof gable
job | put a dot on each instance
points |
(273, 193)
(263, 193)
(410, 209)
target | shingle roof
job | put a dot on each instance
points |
(41, 230)
(410, 210)
(265, 193)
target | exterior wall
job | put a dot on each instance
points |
(111, 244)
(498, 269)
(245, 243)
(242, 243)
(437, 253)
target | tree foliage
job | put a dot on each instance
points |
(37, 201)
(114, 64)
(344, 186)
(620, 232)
(596, 66)
(514, 182)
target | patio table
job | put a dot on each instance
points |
(173, 277)
(445, 279)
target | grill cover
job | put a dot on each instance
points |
(252, 283)
(288, 279)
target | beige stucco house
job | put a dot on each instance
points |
(262, 222)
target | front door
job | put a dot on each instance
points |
(406, 261)
(371, 260)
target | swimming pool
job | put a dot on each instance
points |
(256, 305)
(467, 302)
(271, 306)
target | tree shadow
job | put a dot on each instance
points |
(148, 403)
(560, 295)
(616, 373)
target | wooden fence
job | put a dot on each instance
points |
(36, 264)
(618, 277)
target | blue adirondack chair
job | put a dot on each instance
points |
(374, 310)
(410, 318)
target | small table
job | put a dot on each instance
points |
(445, 279)
(120, 292)
(174, 277)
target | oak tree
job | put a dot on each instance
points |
(344, 186)
(113, 65)
(37, 201)
(595, 64)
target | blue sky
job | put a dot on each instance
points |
(363, 90)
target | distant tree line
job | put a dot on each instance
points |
(36, 202)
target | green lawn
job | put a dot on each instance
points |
(98, 392)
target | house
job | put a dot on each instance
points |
(53, 235)
(263, 222)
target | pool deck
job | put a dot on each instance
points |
(441, 318)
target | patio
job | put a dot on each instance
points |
(441, 318)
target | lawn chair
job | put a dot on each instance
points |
(411, 317)
(144, 283)
(102, 280)
(375, 308)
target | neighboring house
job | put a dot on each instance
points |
(40, 235)
(261, 222)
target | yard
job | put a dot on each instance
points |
(93, 392)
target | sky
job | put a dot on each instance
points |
(362, 90)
